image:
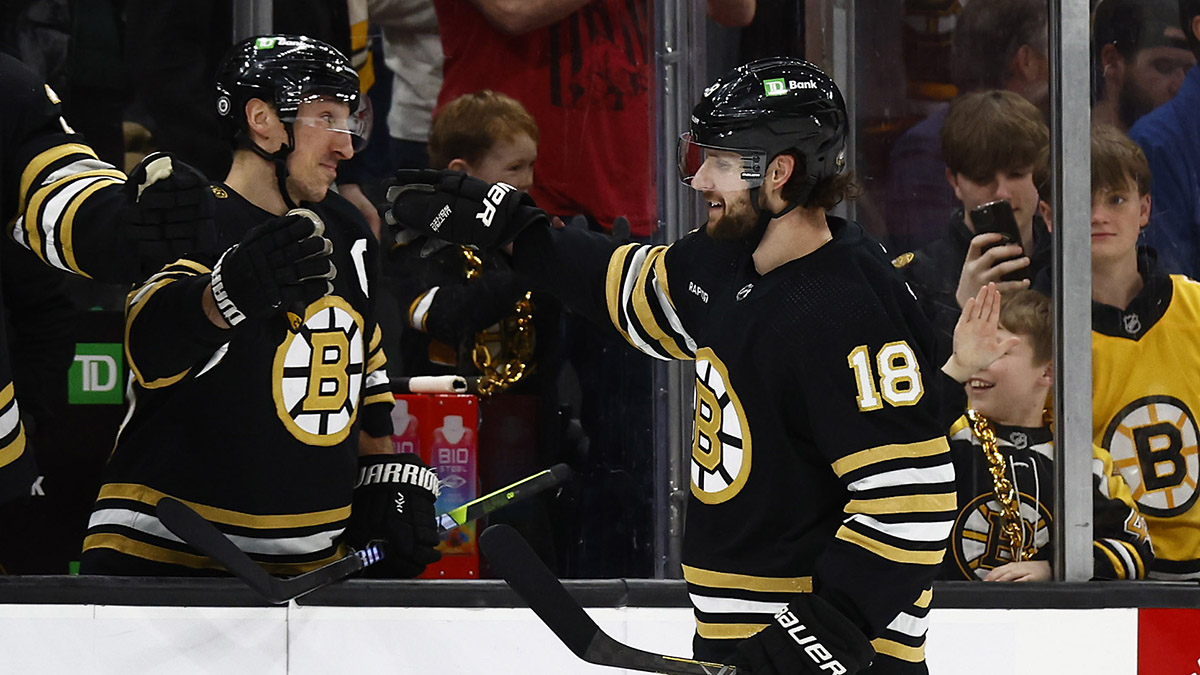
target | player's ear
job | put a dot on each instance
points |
(458, 164)
(260, 118)
(781, 169)
(952, 179)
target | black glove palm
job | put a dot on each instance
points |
(393, 502)
(807, 636)
(455, 207)
(169, 212)
(282, 263)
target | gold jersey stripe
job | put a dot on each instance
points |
(728, 631)
(898, 651)
(140, 549)
(925, 598)
(68, 225)
(376, 339)
(612, 285)
(641, 306)
(376, 361)
(32, 231)
(13, 451)
(883, 453)
(150, 496)
(925, 503)
(45, 159)
(959, 424)
(132, 314)
(1113, 559)
(889, 552)
(1137, 559)
(383, 397)
(711, 579)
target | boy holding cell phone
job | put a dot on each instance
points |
(994, 144)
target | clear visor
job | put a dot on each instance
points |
(356, 124)
(711, 168)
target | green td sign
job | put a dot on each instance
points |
(97, 376)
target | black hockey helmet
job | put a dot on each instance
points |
(285, 71)
(762, 109)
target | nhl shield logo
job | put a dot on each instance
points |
(1132, 323)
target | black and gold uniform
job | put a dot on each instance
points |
(255, 427)
(1121, 544)
(59, 200)
(818, 464)
(1146, 392)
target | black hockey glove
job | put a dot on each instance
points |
(393, 503)
(169, 212)
(807, 636)
(282, 263)
(455, 207)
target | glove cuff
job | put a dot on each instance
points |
(225, 304)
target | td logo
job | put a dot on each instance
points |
(776, 87)
(96, 377)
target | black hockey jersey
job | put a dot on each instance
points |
(817, 461)
(255, 426)
(60, 201)
(1145, 396)
(1121, 545)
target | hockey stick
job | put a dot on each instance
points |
(526, 487)
(202, 535)
(513, 559)
(206, 538)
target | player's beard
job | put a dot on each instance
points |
(737, 220)
(1133, 103)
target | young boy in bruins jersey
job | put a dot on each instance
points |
(1004, 453)
(822, 490)
(258, 392)
(1145, 359)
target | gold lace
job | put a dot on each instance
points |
(503, 354)
(1013, 531)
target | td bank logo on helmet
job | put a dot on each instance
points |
(495, 195)
(780, 86)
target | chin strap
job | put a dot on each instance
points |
(765, 216)
(278, 158)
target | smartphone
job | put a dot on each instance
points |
(996, 216)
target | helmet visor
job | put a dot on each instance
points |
(336, 119)
(709, 167)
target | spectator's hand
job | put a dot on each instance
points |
(1026, 570)
(169, 212)
(282, 263)
(776, 651)
(982, 267)
(354, 194)
(976, 336)
(393, 504)
(453, 206)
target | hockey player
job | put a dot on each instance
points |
(821, 483)
(1004, 453)
(1145, 359)
(81, 215)
(258, 391)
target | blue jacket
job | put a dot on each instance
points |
(1170, 137)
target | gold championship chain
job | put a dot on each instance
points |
(1006, 494)
(503, 352)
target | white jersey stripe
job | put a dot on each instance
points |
(313, 543)
(941, 473)
(935, 531)
(711, 605)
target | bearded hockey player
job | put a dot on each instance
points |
(822, 491)
(81, 215)
(259, 396)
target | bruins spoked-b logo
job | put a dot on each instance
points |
(721, 452)
(978, 541)
(318, 373)
(1153, 444)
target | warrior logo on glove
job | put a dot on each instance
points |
(494, 197)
